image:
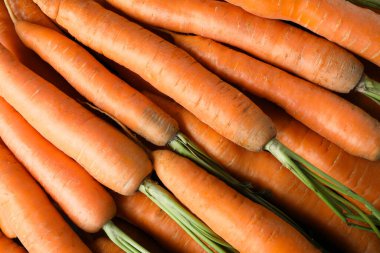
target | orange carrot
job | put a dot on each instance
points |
(251, 229)
(317, 108)
(86, 203)
(98, 85)
(34, 220)
(277, 43)
(142, 212)
(6, 228)
(171, 70)
(82, 136)
(265, 173)
(355, 28)
(9, 246)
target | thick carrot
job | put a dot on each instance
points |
(34, 220)
(171, 70)
(143, 213)
(265, 173)
(317, 108)
(86, 203)
(9, 246)
(98, 85)
(280, 44)
(251, 229)
(106, 154)
(355, 28)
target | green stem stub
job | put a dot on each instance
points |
(183, 146)
(200, 232)
(331, 191)
(122, 240)
(370, 88)
(369, 3)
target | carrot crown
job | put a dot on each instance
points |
(369, 87)
(331, 191)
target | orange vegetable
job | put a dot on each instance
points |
(9, 246)
(33, 218)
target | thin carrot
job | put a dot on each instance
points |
(280, 44)
(86, 203)
(317, 108)
(355, 28)
(265, 173)
(142, 212)
(99, 85)
(34, 220)
(9, 246)
(250, 229)
(171, 70)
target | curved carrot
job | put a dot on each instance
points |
(99, 85)
(280, 44)
(267, 174)
(84, 136)
(317, 108)
(86, 203)
(171, 70)
(34, 220)
(9, 246)
(142, 212)
(355, 28)
(251, 229)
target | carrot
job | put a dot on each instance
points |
(34, 220)
(9, 246)
(339, 21)
(171, 70)
(143, 213)
(321, 110)
(252, 229)
(86, 203)
(99, 85)
(6, 228)
(90, 133)
(265, 173)
(280, 44)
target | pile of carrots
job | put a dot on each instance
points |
(189, 126)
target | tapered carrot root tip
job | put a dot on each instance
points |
(122, 240)
(331, 191)
(195, 228)
(371, 89)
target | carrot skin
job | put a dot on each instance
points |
(267, 174)
(319, 109)
(9, 246)
(98, 85)
(6, 228)
(86, 203)
(105, 153)
(142, 212)
(216, 204)
(277, 43)
(34, 220)
(171, 70)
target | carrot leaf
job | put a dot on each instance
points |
(122, 240)
(330, 190)
(370, 88)
(200, 232)
(185, 147)
(368, 3)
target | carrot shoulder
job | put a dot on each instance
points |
(169, 69)
(34, 220)
(106, 154)
(251, 229)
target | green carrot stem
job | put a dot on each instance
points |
(331, 191)
(126, 243)
(370, 88)
(200, 232)
(368, 3)
(185, 147)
